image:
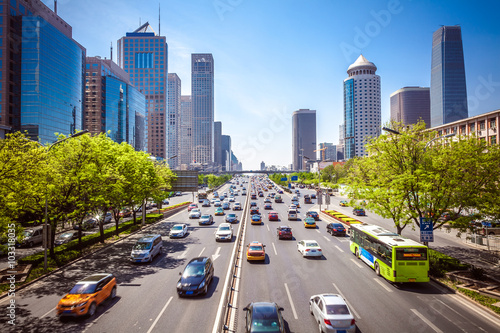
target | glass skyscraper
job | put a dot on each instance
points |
(173, 124)
(186, 156)
(410, 104)
(362, 112)
(303, 137)
(202, 94)
(51, 81)
(143, 55)
(448, 87)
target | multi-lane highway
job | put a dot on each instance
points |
(147, 300)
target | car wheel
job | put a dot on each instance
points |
(205, 290)
(92, 309)
(30, 244)
(310, 308)
(357, 253)
(377, 269)
(113, 293)
(320, 329)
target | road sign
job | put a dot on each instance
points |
(295, 178)
(284, 179)
(289, 185)
(486, 224)
(426, 230)
(327, 199)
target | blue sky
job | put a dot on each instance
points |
(274, 57)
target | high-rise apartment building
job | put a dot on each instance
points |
(218, 144)
(303, 137)
(202, 94)
(143, 55)
(448, 87)
(112, 105)
(328, 151)
(41, 79)
(185, 138)
(410, 104)
(173, 121)
(362, 112)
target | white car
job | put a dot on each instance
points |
(178, 231)
(332, 313)
(236, 206)
(309, 248)
(224, 232)
(292, 207)
(194, 213)
(217, 203)
(231, 199)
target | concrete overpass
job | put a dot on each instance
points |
(242, 172)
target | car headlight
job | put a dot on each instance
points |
(81, 304)
(179, 284)
(202, 284)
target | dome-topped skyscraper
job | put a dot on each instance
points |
(362, 112)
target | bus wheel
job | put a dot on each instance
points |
(377, 269)
(357, 253)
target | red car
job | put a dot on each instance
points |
(284, 232)
(273, 216)
(191, 206)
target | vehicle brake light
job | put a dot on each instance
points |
(307, 250)
(353, 321)
(319, 250)
(328, 322)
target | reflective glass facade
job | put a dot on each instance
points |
(116, 112)
(136, 119)
(448, 86)
(349, 118)
(410, 104)
(51, 76)
(303, 138)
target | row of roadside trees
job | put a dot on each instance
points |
(74, 178)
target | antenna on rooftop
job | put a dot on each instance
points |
(159, 22)
(55, 7)
(111, 57)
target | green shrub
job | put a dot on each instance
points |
(440, 263)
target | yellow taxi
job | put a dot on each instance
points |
(86, 295)
(256, 219)
(343, 203)
(256, 251)
(309, 222)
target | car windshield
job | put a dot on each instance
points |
(142, 246)
(337, 309)
(84, 288)
(255, 248)
(231, 215)
(286, 229)
(66, 235)
(265, 320)
(194, 270)
(177, 227)
(224, 228)
(205, 217)
(312, 244)
(27, 233)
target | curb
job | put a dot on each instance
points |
(173, 211)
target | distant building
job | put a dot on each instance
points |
(226, 152)
(173, 120)
(218, 144)
(448, 88)
(362, 111)
(328, 151)
(112, 105)
(409, 104)
(143, 55)
(186, 125)
(202, 94)
(303, 137)
(262, 165)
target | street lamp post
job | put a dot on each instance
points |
(45, 226)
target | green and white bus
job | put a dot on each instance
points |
(396, 258)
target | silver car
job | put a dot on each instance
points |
(331, 313)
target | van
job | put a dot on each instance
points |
(32, 237)
(146, 248)
(292, 214)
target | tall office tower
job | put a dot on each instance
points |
(303, 137)
(226, 152)
(218, 144)
(185, 153)
(173, 122)
(202, 94)
(448, 87)
(234, 162)
(262, 165)
(112, 105)
(362, 112)
(144, 57)
(409, 104)
(41, 79)
(328, 151)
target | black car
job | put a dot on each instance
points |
(253, 204)
(314, 215)
(359, 212)
(336, 229)
(196, 277)
(264, 317)
(254, 211)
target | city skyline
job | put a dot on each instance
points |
(254, 80)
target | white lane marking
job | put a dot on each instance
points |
(425, 320)
(350, 306)
(338, 248)
(216, 255)
(317, 230)
(47, 313)
(327, 238)
(476, 309)
(201, 252)
(383, 285)
(442, 313)
(158, 318)
(291, 302)
(355, 261)
(267, 225)
(182, 255)
(274, 247)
